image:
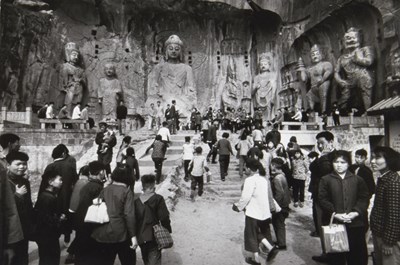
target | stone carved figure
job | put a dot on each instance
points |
(10, 96)
(319, 75)
(73, 78)
(265, 86)
(173, 79)
(110, 92)
(231, 93)
(352, 73)
(393, 81)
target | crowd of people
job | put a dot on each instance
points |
(274, 176)
(62, 204)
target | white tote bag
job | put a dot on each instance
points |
(97, 213)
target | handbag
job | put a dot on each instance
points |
(335, 237)
(97, 213)
(162, 236)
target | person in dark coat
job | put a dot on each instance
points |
(122, 112)
(313, 189)
(211, 140)
(105, 157)
(86, 247)
(324, 164)
(133, 166)
(360, 169)
(345, 196)
(49, 220)
(115, 237)
(21, 188)
(158, 155)
(274, 135)
(172, 121)
(65, 166)
(150, 209)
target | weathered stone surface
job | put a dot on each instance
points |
(131, 34)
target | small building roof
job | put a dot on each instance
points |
(386, 105)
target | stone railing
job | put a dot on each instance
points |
(364, 121)
(15, 116)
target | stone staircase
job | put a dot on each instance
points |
(229, 190)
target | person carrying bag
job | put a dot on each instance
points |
(153, 225)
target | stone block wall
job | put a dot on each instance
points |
(39, 144)
(357, 138)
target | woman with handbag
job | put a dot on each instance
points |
(385, 219)
(119, 235)
(151, 211)
(345, 196)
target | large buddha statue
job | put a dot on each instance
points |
(265, 86)
(110, 92)
(319, 75)
(352, 73)
(73, 79)
(172, 79)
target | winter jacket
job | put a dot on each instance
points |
(337, 195)
(299, 169)
(149, 210)
(121, 210)
(106, 157)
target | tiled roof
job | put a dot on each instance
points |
(385, 105)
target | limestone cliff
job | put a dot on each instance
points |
(216, 33)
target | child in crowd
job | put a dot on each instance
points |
(224, 150)
(199, 166)
(48, 220)
(280, 191)
(300, 170)
(187, 156)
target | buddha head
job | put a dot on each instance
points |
(72, 53)
(109, 70)
(316, 55)
(174, 48)
(265, 62)
(352, 38)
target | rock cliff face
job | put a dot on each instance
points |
(217, 36)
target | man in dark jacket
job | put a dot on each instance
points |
(21, 188)
(122, 112)
(313, 189)
(172, 121)
(105, 155)
(150, 209)
(274, 135)
(211, 140)
(65, 166)
(10, 224)
(360, 169)
(85, 245)
(324, 164)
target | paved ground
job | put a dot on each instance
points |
(207, 231)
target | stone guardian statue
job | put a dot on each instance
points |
(265, 86)
(352, 73)
(110, 93)
(73, 78)
(319, 75)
